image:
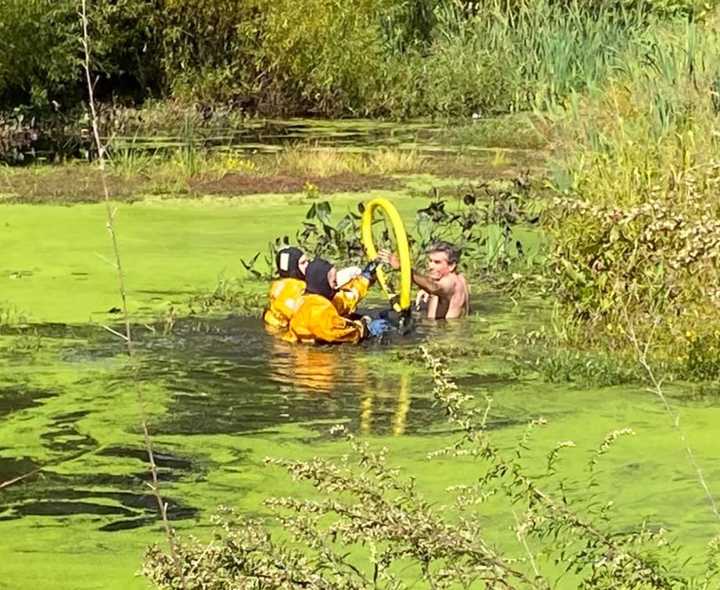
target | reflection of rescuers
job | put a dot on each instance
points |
(443, 289)
(286, 292)
(323, 313)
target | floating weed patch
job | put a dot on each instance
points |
(389, 161)
(229, 296)
(369, 525)
(320, 162)
(324, 162)
(11, 316)
(133, 175)
(127, 161)
(588, 369)
(513, 131)
(239, 184)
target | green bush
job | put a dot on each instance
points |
(636, 233)
(375, 57)
(208, 48)
(317, 56)
(39, 51)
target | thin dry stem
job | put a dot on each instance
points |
(127, 337)
(9, 482)
(520, 534)
(642, 351)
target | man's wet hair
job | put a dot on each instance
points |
(452, 252)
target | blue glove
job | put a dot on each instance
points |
(369, 271)
(378, 327)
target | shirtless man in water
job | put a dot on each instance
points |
(446, 292)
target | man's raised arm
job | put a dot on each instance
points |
(443, 287)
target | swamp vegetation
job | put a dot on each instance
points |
(563, 436)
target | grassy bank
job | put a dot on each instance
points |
(154, 171)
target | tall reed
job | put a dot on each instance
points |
(637, 228)
(127, 335)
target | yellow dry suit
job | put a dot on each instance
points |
(318, 321)
(322, 316)
(285, 298)
(285, 293)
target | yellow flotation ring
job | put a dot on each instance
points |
(401, 300)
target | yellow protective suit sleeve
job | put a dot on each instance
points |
(350, 295)
(285, 297)
(318, 320)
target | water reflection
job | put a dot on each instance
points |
(208, 377)
(372, 399)
(331, 371)
(231, 377)
(313, 369)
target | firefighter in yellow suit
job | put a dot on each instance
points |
(320, 320)
(286, 293)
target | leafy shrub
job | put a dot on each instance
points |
(274, 56)
(39, 54)
(40, 50)
(374, 57)
(703, 355)
(483, 223)
(636, 236)
(17, 135)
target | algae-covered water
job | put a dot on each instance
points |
(222, 395)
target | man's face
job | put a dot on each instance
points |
(332, 278)
(439, 266)
(302, 264)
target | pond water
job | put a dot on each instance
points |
(269, 136)
(221, 395)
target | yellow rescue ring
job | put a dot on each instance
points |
(400, 301)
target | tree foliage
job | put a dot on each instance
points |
(330, 57)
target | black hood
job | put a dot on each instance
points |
(287, 261)
(316, 278)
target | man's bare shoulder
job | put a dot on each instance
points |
(462, 282)
(454, 282)
(448, 284)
